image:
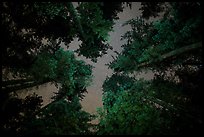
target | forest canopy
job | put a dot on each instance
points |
(171, 47)
(170, 103)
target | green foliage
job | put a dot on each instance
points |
(131, 113)
(31, 47)
(157, 107)
(171, 102)
(95, 29)
(23, 34)
(51, 9)
(44, 67)
(138, 41)
(60, 118)
(15, 111)
(63, 68)
(148, 41)
(113, 85)
(166, 105)
(151, 9)
(91, 15)
(111, 9)
(181, 107)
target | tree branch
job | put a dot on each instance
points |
(172, 53)
(23, 86)
(76, 19)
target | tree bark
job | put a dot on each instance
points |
(23, 86)
(15, 81)
(172, 53)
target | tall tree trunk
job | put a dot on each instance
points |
(21, 86)
(16, 81)
(172, 53)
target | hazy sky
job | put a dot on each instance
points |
(93, 99)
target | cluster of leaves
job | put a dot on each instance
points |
(157, 107)
(63, 68)
(59, 118)
(86, 22)
(148, 41)
(113, 85)
(132, 113)
(72, 75)
(23, 34)
(32, 34)
(111, 9)
(171, 102)
(95, 29)
(151, 9)
(182, 100)
(51, 9)
(15, 111)
(137, 43)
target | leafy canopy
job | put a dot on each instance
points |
(149, 41)
(64, 69)
(171, 102)
(59, 118)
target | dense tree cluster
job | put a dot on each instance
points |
(59, 118)
(31, 37)
(170, 103)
